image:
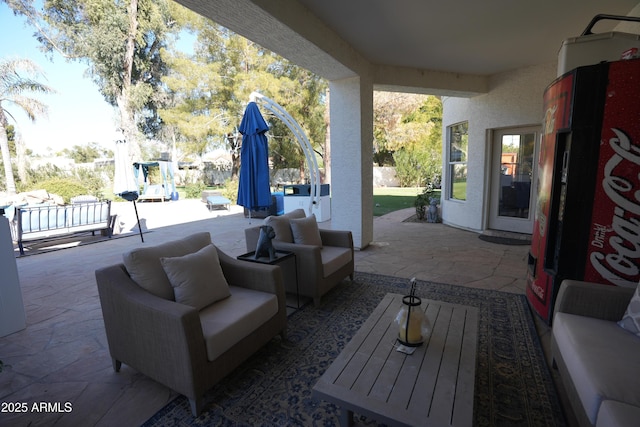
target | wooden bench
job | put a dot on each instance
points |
(51, 221)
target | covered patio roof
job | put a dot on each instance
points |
(440, 48)
(422, 46)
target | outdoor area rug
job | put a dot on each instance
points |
(513, 384)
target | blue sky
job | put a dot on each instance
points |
(77, 112)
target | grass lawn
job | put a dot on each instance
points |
(389, 199)
(385, 199)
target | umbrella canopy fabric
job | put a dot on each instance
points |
(123, 180)
(125, 184)
(254, 191)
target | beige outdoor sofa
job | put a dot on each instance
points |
(323, 257)
(598, 360)
(188, 348)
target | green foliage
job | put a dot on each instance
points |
(18, 80)
(230, 190)
(121, 45)
(194, 190)
(86, 153)
(91, 180)
(209, 92)
(408, 133)
(11, 138)
(64, 187)
(43, 173)
(417, 166)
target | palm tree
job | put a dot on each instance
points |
(13, 87)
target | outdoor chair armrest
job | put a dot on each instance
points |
(339, 238)
(593, 300)
(167, 342)
(308, 258)
(250, 275)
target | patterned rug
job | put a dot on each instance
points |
(513, 384)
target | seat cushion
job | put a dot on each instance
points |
(305, 231)
(618, 414)
(143, 263)
(601, 358)
(334, 258)
(226, 322)
(197, 278)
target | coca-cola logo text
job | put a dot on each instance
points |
(620, 266)
(537, 290)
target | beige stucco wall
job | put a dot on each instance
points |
(514, 99)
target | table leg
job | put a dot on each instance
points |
(346, 418)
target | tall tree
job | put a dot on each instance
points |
(18, 80)
(210, 90)
(389, 109)
(119, 40)
(86, 153)
(417, 143)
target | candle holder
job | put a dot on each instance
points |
(413, 325)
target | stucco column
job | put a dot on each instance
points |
(351, 115)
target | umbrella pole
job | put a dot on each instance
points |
(138, 219)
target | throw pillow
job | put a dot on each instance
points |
(281, 227)
(197, 278)
(143, 264)
(305, 231)
(296, 213)
(631, 319)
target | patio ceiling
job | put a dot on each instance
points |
(451, 45)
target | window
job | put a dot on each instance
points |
(458, 140)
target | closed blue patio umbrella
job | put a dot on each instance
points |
(254, 191)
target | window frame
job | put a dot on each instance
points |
(456, 164)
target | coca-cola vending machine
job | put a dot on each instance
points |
(587, 216)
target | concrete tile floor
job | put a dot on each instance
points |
(62, 356)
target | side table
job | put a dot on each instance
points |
(286, 260)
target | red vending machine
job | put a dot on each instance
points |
(587, 215)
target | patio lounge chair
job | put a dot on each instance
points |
(322, 261)
(189, 345)
(153, 192)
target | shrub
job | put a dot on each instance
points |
(417, 167)
(194, 191)
(230, 190)
(63, 187)
(92, 180)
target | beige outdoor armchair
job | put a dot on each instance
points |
(188, 349)
(323, 260)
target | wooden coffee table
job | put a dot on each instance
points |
(432, 387)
